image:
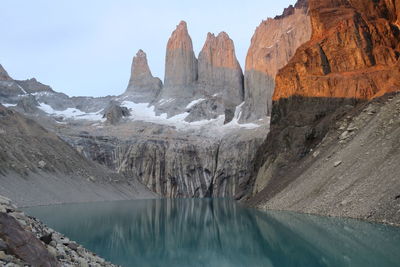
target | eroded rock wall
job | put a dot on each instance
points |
(274, 43)
(178, 165)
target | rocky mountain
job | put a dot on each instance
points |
(219, 70)
(143, 87)
(12, 88)
(37, 167)
(274, 43)
(352, 57)
(177, 157)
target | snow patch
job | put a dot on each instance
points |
(44, 93)
(22, 89)
(72, 113)
(165, 101)
(9, 105)
(194, 102)
(145, 112)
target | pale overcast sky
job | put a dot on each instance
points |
(85, 47)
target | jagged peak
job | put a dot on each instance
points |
(4, 75)
(182, 25)
(141, 53)
(140, 65)
(220, 50)
(180, 38)
(223, 35)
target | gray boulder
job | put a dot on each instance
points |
(114, 113)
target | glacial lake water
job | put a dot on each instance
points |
(219, 232)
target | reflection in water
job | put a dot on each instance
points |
(219, 232)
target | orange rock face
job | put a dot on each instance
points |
(354, 52)
(180, 63)
(219, 51)
(352, 57)
(274, 43)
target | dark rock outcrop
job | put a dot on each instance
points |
(219, 70)
(114, 113)
(24, 244)
(210, 108)
(33, 86)
(143, 87)
(274, 43)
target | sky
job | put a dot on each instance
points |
(85, 47)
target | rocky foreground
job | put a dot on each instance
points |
(25, 241)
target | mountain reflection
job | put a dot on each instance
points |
(219, 232)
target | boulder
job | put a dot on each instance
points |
(24, 244)
(114, 113)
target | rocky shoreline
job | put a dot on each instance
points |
(25, 241)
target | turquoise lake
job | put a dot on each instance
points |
(219, 232)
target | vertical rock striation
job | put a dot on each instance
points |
(274, 43)
(143, 87)
(219, 69)
(180, 64)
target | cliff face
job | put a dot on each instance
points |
(352, 57)
(180, 63)
(353, 53)
(174, 165)
(274, 43)
(219, 69)
(216, 77)
(143, 87)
